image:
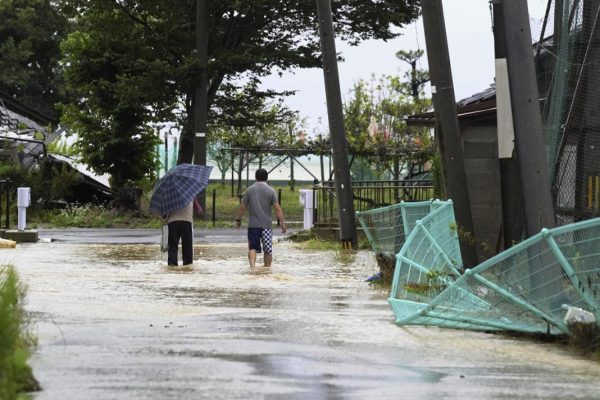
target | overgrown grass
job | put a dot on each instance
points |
(16, 343)
(309, 241)
(319, 244)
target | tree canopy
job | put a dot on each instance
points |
(374, 119)
(30, 33)
(138, 58)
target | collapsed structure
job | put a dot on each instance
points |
(541, 285)
(26, 133)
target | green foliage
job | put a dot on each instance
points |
(18, 175)
(62, 182)
(319, 244)
(82, 215)
(15, 341)
(30, 33)
(251, 123)
(374, 120)
(415, 78)
(139, 58)
(112, 119)
(91, 216)
(62, 147)
(435, 283)
(50, 182)
(216, 154)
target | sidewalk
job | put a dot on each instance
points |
(146, 236)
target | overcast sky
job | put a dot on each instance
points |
(470, 41)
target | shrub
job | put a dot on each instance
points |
(15, 341)
(82, 215)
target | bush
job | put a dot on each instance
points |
(15, 341)
(82, 215)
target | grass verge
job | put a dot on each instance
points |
(16, 343)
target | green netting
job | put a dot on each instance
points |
(167, 158)
(568, 72)
(529, 288)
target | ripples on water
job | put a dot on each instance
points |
(114, 321)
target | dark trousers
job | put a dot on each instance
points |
(180, 230)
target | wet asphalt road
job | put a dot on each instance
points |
(114, 322)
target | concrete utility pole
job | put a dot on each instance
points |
(444, 104)
(201, 92)
(343, 183)
(527, 118)
(292, 181)
(509, 167)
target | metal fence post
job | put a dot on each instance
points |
(214, 207)
(279, 201)
(7, 208)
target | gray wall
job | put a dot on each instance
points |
(480, 146)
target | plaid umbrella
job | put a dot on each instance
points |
(178, 187)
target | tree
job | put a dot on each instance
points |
(217, 153)
(30, 34)
(374, 121)
(415, 78)
(247, 119)
(114, 113)
(247, 40)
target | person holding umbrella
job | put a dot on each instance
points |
(174, 198)
(181, 229)
(259, 198)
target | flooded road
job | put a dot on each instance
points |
(113, 322)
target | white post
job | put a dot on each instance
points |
(307, 200)
(23, 201)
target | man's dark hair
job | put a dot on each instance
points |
(261, 175)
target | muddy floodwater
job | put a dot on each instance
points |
(113, 322)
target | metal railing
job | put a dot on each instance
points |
(6, 189)
(369, 195)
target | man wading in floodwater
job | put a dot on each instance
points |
(259, 198)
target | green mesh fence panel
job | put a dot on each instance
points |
(427, 263)
(387, 227)
(528, 288)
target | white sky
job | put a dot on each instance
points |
(470, 41)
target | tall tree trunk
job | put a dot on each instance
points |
(239, 173)
(186, 143)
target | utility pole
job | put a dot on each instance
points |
(201, 92)
(444, 104)
(343, 183)
(509, 167)
(292, 181)
(166, 151)
(527, 118)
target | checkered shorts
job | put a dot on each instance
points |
(258, 236)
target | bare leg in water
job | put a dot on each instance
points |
(268, 259)
(252, 258)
